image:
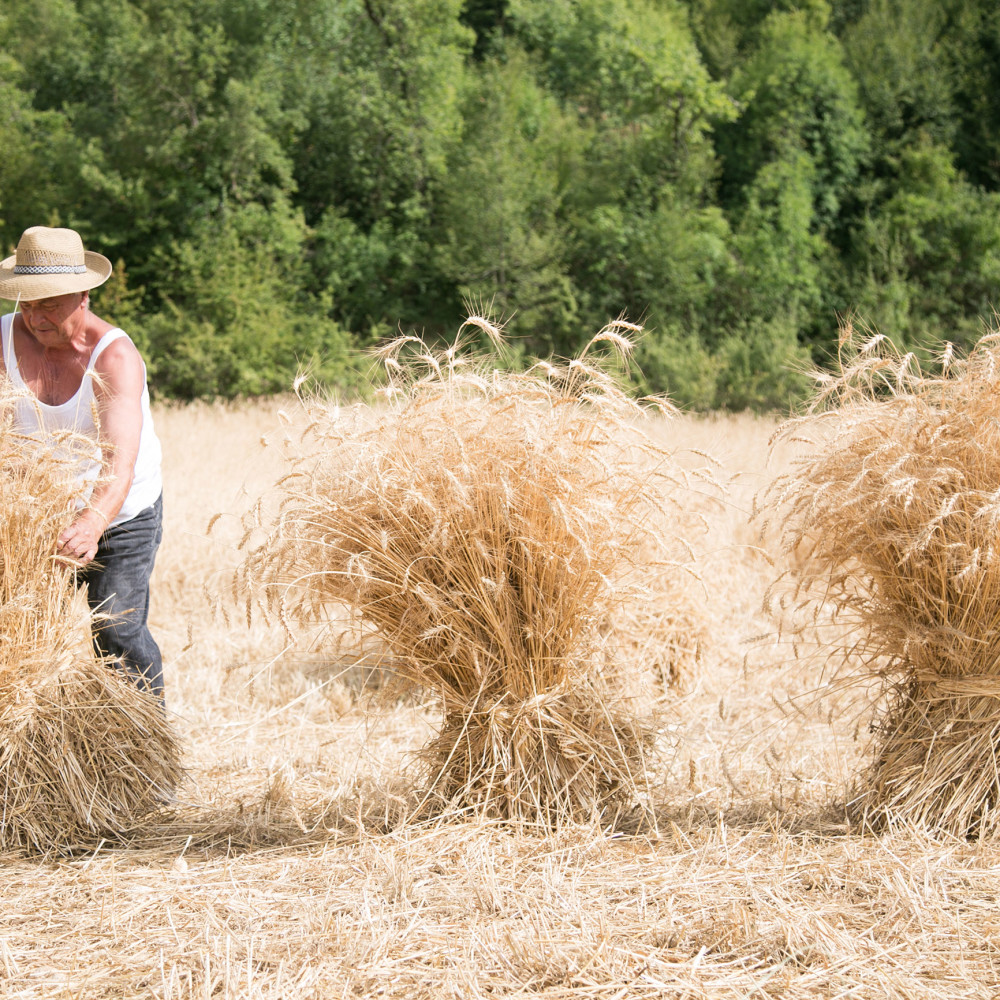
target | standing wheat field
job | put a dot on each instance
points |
(295, 863)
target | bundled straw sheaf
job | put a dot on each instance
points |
(899, 511)
(82, 751)
(488, 526)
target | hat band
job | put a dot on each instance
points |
(50, 269)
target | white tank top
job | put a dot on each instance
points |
(39, 420)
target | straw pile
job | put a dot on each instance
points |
(82, 751)
(483, 525)
(900, 513)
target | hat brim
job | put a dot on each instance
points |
(28, 287)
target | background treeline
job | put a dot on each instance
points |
(286, 181)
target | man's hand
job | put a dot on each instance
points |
(78, 543)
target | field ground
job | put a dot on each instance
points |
(289, 869)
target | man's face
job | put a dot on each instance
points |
(54, 320)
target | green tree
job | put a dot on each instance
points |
(380, 83)
(487, 18)
(897, 52)
(975, 61)
(781, 254)
(40, 157)
(504, 238)
(237, 321)
(767, 285)
(927, 258)
(172, 118)
(726, 30)
(631, 70)
(637, 214)
(797, 97)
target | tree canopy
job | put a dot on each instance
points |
(283, 182)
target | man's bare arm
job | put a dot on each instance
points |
(118, 391)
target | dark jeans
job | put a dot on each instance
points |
(118, 590)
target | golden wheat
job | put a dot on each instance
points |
(488, 526)
(82, 751)
(898, 512)
(291, 872)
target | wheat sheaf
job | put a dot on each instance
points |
(83, 753)
(898, 511)
(488, 526)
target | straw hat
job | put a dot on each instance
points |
(51, 262)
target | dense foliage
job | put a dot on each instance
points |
(283, 182)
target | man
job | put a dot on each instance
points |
(71, 366)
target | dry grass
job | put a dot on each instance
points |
(898, 511)
(488, 528)
(82, 752)
(293, 868)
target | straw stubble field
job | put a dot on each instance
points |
(294, 866)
